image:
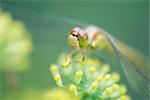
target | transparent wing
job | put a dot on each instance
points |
(46, 30)
(136, 78)
(45, 27)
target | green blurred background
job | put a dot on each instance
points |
(48, 22)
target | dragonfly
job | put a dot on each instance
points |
(133, 63)
(130, 59)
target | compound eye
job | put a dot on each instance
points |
(77, 38)
(73, 41)
(75, 34)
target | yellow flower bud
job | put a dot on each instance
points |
(116, 77)
(58, 80)
(124, 97)
(105, 68)
(108, 91)
(78, 76)
(66, 64)
(93, 87)
(73, 89)
(92, 69)
(99, 78)
(79, 73)
(115, 87)
(107, 77)
(54, 68)
(57, 77)
(123, 89)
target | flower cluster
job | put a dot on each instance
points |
(88, 77)
(15, 43)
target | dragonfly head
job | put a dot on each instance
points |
(77, 38)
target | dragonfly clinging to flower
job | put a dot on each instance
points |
(134, 64)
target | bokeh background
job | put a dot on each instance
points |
(49, 21)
